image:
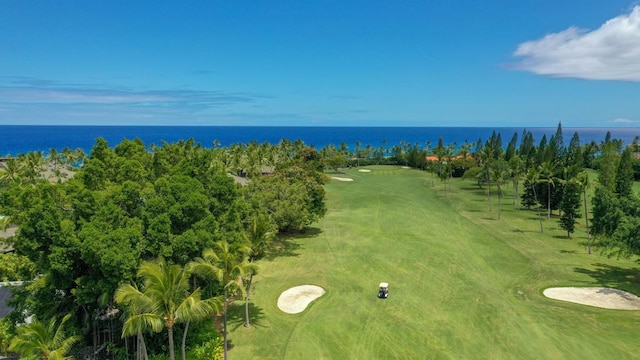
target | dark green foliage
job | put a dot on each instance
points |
(529, 195)
(557, 143)
(574, 157)
(527, 150)
(511, 147)
(294, 197)
(624, 175)
(606, 212)
(542, 147)
(608, 164)
(570, 207)
(589, 152)
(459, 166)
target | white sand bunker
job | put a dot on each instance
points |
(606, 298)
(405, 167)
(364, 170)
(341, 178)
(296, 299)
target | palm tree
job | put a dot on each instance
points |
(533, 177)
(39, 341)
(486, 162)
(357, 152)
(137, 328)
(11, 169)
(259, 235)
(500, 173)
(164, 300)
(228, 265)
(515, 171)
(546, 173)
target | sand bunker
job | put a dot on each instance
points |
(405, 167)
(341, 178)
(606, 298)
(364, 170)
(296, 299)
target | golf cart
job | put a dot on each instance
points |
(383, 293)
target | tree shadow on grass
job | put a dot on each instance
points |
(290, 244)
(614, 276)
(236, 316)
(568, 252)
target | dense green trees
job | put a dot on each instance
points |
(129, 204)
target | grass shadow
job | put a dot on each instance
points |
(290, 244)
(236, 316)
(614, 276)
(568, 252)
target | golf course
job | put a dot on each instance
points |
(463, 284)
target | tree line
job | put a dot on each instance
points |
(96, 246)
(142, 239)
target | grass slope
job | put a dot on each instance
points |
(462, 283)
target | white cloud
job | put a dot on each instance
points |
(624, 121)
(611, 52)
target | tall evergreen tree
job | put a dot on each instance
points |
(624, 175)
(558, 140)
(511, 148)
(570, 206)
(542, 148)
(608, 164)
(574, 152)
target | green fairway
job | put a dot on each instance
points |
(463, 284)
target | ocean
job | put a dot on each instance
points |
(15, 139)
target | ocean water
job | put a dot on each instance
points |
(15, 139)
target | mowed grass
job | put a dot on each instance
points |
(463, 284)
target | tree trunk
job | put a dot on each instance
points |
(172, 354)
(586, 218)
(538, 207)
(184, 341)
(548, 200)
(489, 188)
(246, 304)
(141, 347)
(225, 323)
(499, 202)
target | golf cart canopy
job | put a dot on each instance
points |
(384, 285)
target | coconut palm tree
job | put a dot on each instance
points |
(164, 300)
(47, 342)
(516, 167)
(500, 175)
(226, 263)
(546, 175)
(258, 237)
(11, 169)
(532, 179)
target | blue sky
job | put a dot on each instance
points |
(321, 63)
